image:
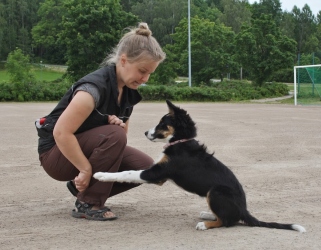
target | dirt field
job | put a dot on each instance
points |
(273, 149)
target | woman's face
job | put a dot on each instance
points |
(134, 74)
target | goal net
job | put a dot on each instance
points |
(307, 84)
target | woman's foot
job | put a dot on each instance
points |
(91, 212)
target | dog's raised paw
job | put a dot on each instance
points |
(201, 226)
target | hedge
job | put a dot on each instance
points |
(217, 92)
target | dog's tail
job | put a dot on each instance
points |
(253, 222)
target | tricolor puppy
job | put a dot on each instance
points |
(190, 166)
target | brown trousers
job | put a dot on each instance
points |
(106, 149)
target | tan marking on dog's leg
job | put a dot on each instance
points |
(213, 224)
(208, 215)
(209, 224)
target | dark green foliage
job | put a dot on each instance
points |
(282, 75)
(89, 30)
(217, 92)
(17, 17)
(165, 72)
(19, 69)
(82, 32)
(45, 33)
(212, 49)
(262, 49)
(35, 91)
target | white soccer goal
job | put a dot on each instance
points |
(307, 81)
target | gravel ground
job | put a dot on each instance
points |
(273, 149)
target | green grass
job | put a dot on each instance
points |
(41, 75)
(47, 75)
(305, 95)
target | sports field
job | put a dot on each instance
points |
(274, 150)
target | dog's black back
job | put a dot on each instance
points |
(190, 166)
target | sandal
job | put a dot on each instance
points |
(83, 210)
(72, 188)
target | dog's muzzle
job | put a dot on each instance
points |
(150, 134)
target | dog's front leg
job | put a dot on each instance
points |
(131, 176)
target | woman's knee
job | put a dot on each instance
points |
(111, 144)
(113, 135)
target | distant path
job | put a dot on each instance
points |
(275, 99)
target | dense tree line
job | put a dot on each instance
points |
(226, 35)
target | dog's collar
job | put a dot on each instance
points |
(175, 142)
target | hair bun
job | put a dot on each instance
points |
(143, 30)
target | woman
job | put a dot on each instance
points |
(86, 131)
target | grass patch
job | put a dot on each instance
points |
(47, 75)
(41, 75)
(306, 95)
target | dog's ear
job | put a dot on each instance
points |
(184, 125)
(174, 109)
(171, 107)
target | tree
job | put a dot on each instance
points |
(45, 32)
(165, 73)
(2, 24)
(287, 25)
(88, 30)
(318, 32)
(19, 69)
(267, 7)
(308, 59)
(127, 4)
(211, 46)
(305, 26)
(18, 17)
(262, 49)
(162, 17)
(235, 14)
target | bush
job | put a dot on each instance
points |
(223, 91)
(34, 91)
(19, 68)
(216, 92)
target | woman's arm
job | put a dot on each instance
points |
(70, 120)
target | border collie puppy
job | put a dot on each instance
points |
(190, 166)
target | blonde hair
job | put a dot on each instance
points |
(137, 44)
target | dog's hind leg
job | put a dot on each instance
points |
(211, 219)
(204, 225)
